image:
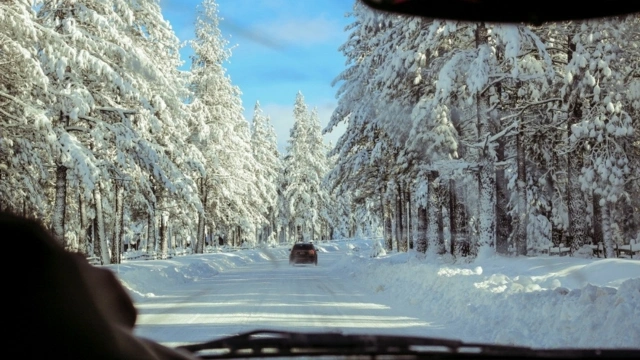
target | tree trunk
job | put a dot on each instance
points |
(630, 223)
(441, 218)
(164, 242)
(151, 231)
(453, 216)
(402, 239)
(557, 230)
(84, 223)
(232, 237)
(576, 204)
(94, 247)
(388, 227)
(199, 245)
(503, 225)
(172, 238)
(486, 176)
(521, 185)
(616, 219)
(382, 217)
(399, 212)
(433, 238)
(421, 231)
(116, 242)
(103, 252)
(409, 221)
(575, 201)
(607, 232)
(487, 208)
(283, 234)
(597, 219)
(445, 215)
(60, 206)
(273, 229)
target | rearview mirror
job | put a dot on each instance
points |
(507, 11)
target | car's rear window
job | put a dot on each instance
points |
(303, 246)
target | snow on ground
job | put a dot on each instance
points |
(542, 302)
(146, 279)
(538, 301)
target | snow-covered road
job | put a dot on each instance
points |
(272, 295)
(542, 302)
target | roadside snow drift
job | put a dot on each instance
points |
(151, 278)
(539, 302)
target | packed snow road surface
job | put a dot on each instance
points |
(542, 302)
(271, 294)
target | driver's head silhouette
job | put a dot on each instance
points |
(65, 307)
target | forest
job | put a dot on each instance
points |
(466, 139)
(474, 138)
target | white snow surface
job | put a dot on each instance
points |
(541, 302)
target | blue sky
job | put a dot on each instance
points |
(280, 47)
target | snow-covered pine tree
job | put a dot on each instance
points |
(228, 185)
(296, 176)
(115, 95)
(364, 153)
(600, 129)
(318, 168)
(305, 197)
(26, 131)
(267, 158)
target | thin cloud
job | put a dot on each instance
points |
(233, 27)
(300, 31)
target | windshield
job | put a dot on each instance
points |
(467, 181)
(303, 247)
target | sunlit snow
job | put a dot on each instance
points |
(544, 301)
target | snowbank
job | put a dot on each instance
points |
(151, 278)
(542, 302)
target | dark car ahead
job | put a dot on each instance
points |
(303, 253)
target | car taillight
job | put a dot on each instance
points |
(311, 252)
